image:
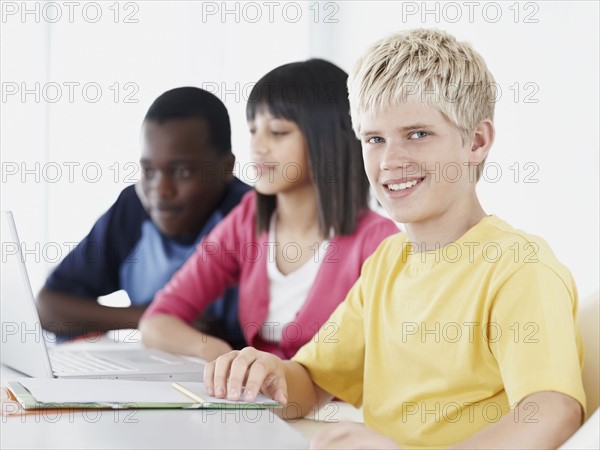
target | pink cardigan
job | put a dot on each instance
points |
(232, 254)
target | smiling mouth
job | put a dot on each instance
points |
(403, 186)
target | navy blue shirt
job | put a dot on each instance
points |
(125, 250)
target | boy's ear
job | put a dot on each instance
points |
(483, 139)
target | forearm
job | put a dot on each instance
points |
(70, 315)
(304, 396)
(171, 334)
(542, 420)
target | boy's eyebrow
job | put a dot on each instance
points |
(401, 129)
(171, 161)
(174, 162)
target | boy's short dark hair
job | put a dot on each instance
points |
(191, 102)
(314, 95)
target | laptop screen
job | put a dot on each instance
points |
(22, 346)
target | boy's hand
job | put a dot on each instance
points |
(256, 370)
(213, 347)
(352, 435)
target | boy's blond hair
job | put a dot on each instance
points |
(449, 76)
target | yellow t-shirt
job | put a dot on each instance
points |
(438, 345)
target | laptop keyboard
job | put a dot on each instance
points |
(71, 362)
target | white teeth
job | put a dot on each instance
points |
(401, 186)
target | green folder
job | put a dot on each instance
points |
(51, 393)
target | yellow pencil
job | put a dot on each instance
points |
(185, 391)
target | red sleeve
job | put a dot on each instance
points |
(214, 267)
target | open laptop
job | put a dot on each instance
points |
(23, 345)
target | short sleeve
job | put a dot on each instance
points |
(534, 335)
(334, 357)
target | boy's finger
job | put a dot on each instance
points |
(238, 372)
(256, 377)
(209, 372)
(221, 373)
(274, 384)
(279, 390)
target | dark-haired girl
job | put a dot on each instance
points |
(295, 245)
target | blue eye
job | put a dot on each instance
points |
(376, 140)
(419, 135)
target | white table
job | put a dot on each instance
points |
(149, 429)
(146, 429)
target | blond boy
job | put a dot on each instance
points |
(460, 332)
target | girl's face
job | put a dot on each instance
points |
(279, 151)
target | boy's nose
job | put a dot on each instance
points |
(394, 157)
(165, 187)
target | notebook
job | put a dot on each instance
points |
(23, 345)
(40, 393)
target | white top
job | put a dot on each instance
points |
(287, 293)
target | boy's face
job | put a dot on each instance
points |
(183, 177)
(417, 163)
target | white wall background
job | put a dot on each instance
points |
(67, 154)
